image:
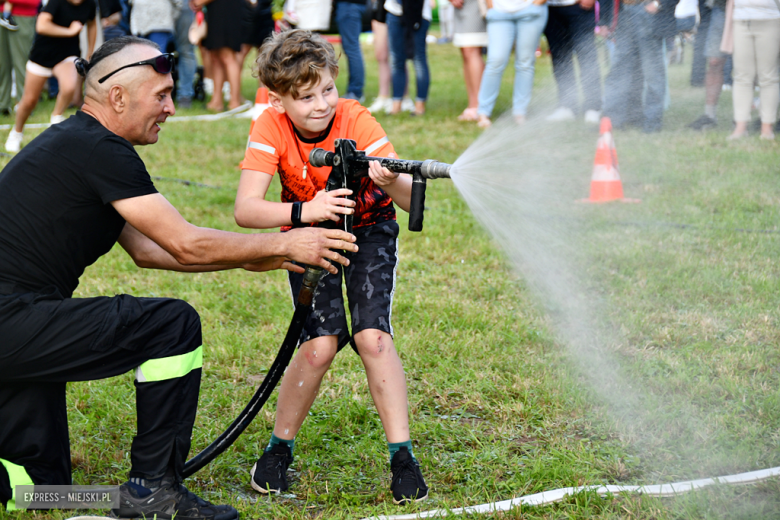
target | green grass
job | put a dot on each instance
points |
(498, 407)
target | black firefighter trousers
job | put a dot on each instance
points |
(47, 340)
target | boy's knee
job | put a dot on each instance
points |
(319, 353)
(374, 343)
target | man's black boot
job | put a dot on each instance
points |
(170, 500)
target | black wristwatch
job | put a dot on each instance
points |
(297, 209)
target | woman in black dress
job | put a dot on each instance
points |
(223, 40)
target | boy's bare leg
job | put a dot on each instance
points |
(386, 381)
(301, 383)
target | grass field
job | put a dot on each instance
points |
(499, 409)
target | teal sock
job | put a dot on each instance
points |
(394, 446)
(276, 440)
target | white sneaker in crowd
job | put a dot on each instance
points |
(593, 117)
(208, 86)
(14, 142)
(561, 114)
(407, 105)
(381, 104)
(55, 120)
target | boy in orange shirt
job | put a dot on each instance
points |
(299, 68)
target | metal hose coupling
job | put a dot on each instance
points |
(311, 278)
(431, 169)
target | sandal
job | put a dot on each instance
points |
(483, 121)
(468, 114)
(737, 137)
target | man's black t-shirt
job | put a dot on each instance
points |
(47, 51)
(55, 213)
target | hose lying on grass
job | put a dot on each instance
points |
(556, 495)
(202, 117)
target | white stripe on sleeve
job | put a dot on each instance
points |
(377, 145)
(262, 147)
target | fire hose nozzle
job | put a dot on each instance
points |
(435, 170)
(349, 163)
(319, 158)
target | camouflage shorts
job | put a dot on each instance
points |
(370, 281)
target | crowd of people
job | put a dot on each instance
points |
(39, 41)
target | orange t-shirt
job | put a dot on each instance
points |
(274, 147)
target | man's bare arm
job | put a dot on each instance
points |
(188, 245)
(147, 254)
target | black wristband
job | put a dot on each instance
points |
(297, 209)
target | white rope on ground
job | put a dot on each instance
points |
(549, 497)
(556, 495)
(32, 125)
(176, 119)
(214, 117)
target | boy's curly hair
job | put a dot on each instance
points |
(292, 60)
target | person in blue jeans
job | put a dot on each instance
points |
(187, 62)
(154, 20)
(400, 25)
(518, 24)
(570, 32)
(349, 18)
(635, 87)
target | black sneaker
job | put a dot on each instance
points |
(703, 123)
(269, 474)
(168, 501)
(408, 484)
(9, 23)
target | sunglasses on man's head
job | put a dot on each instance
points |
(162, 64)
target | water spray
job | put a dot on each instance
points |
(348, 165)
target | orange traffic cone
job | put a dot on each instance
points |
(605, 183)
(261, 104)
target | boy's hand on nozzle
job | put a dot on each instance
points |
(328, 205)
(382, 176)
(315, 246)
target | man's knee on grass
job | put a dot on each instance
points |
(168, 328)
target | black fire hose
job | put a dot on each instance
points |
(302, 308)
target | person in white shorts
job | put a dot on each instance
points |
(470, 35)
(54, 51)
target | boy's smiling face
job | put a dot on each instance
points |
(313, 109)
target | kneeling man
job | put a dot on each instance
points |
(65, 200)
